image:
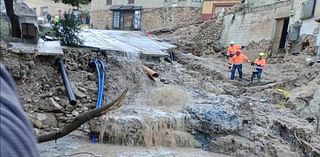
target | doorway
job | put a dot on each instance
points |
(280, 37)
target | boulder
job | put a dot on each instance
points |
(43, 120)
(212, 119)
(77, 92)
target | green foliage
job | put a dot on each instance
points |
(68, 29)
(4, 28)
(75, 3)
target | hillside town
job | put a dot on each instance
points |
(160, 78)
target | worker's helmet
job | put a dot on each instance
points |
(231, 42)
(261, 54)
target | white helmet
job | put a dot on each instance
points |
(231, 42)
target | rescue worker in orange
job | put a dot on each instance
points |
(237, 61)
(232, 49)
(258, 64)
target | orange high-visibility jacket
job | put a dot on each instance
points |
(261, 62)
(233, 49)
(239, 59)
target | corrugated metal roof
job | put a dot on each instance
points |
(134, 42)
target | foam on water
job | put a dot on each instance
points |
(151, 128)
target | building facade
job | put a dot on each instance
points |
(45, 7)
(282, 22)
(143, 14)
(211, 7)
(106, 4)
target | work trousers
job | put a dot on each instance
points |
(257, 73)
(233, 70)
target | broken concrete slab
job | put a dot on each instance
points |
(49, 48)
(46, 48)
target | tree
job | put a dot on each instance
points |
(68, 30)
(14, 19)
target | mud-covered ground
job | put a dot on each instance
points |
(192, 105)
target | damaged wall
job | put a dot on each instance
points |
(253, 24)
(309, 26)
(244, 28)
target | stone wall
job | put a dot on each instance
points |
(152, 18)
(155, 18)
(101, 19)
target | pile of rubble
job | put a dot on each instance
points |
(39, 82)
(199, 38)
(252, 49)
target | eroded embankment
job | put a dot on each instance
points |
(198, 107)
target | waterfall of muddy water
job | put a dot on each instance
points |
(166, 97)
(147, 127)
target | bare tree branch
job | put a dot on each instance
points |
(81, 119)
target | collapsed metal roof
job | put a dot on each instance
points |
(133, 42)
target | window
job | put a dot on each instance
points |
(130, 1)
(197, 1)
(109, 2)
(44, 11)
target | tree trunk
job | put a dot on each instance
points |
(14, 19)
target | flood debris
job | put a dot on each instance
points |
(198, 107)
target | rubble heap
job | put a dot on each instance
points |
(199, 38)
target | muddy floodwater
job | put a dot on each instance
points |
(83, 147)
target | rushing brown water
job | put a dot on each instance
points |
(153, 120)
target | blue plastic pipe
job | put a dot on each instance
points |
(102, 82)
(98, 78)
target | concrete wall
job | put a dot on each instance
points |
(254, 24)
(246, 28)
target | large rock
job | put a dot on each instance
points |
(211, 119)
(77, 92)
(43, 120)
(51, 106)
